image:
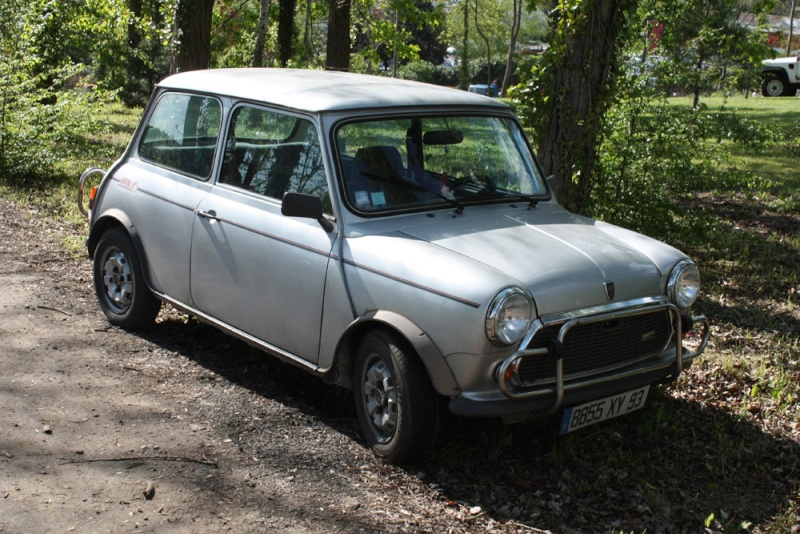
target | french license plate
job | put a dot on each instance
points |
(603, 409)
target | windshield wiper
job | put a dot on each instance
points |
(532, 200)
(489, 189)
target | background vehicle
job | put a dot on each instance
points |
(781, 76)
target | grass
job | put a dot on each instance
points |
(718, 449)
(780, 117)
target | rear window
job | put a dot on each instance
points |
(181, 134)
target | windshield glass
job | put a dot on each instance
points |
(430, 162)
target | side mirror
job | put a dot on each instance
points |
(306, 206)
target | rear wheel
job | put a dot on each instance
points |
(398, 410)
(775, 86)
(119, 282)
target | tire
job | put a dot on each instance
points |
(119, 282)
(397, 407)
(775, 86)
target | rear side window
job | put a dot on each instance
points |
(182, 134)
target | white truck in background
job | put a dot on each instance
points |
(781, 76)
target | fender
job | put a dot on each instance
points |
(116, 217)
(775, 70)
(442, 378)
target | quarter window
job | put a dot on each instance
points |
(182, 134)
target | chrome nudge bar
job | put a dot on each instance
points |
(506, 372)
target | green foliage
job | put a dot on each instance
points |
(655, 157)
(422, 71)
(705, 49)
(402, 29)
(42, 118)
(495, 19)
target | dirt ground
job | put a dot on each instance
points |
(178, 428)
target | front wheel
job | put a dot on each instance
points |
(397, 407)
(774, 86)
(119, 282)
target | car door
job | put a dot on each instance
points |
(167, 179)
(252, 267)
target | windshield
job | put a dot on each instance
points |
(430, 162)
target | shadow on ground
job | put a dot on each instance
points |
(666, 468)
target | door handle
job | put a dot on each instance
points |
(210, 214)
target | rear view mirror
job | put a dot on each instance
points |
(443, 137)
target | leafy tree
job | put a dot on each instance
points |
(498, 20)
(465, 55)
(236, 29)
(400, 30)
(703, 42)
(133, 65)
(427, 31)
(480, 20)
(42, 117)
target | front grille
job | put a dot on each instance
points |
(598, 346)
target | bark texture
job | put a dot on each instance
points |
(337, 50)
(193, 35)
(579, 95)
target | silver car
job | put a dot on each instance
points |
(395, 238)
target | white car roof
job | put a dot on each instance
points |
(319, 90)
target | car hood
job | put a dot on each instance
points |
(565, 261)
(780, 62)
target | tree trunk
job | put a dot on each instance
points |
(488, 50)
(192, 35)
(286, 30)
(584, 49)
(134, 35)
(791, 30)
(512, 46)
(337, 50)
(261, 34)
(136, 81)
(308, 35)
(464, 49)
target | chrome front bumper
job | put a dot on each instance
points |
(627, 374)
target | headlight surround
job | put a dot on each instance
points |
(509, 316)
(683, 286)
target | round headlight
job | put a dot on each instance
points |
(509, 316)
(683, 286)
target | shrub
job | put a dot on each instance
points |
(42, 121)
(655, 157)
(422, 71)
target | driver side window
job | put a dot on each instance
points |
(272, 153)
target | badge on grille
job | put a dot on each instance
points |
(609, 287)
